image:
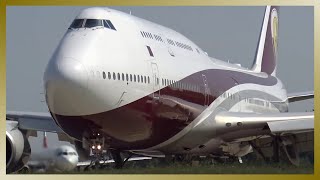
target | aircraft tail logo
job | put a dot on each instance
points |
(267, 49)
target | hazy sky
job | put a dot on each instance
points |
(226, 33)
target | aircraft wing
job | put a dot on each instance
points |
(240, 125)
(293, 97)
(34, 121)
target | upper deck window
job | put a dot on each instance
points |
(77, 23)
(93, 23)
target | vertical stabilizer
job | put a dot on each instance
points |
(267, 49)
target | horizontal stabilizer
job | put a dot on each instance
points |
(293, 97)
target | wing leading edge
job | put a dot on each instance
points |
(275, 123)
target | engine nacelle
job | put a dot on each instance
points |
(237, 149)
(17, 147)
(291, 149)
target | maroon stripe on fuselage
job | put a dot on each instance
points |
(151, 120)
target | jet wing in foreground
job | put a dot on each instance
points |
(34, 121)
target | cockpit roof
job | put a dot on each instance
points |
(94, 13)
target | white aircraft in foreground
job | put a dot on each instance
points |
(52, 159)
(125, 84)
(60, 159)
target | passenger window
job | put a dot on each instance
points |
(104, 75)
(93, 23)
(122, 77)
(145, 79)
(109, 75)
(127, 78)
(114, 76)
(119, 76)
(138, 78)
(77, 23)
(131, 77)
(141, 78)
(148, 80)
(134, 77)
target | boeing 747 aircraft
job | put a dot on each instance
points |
(123, 84)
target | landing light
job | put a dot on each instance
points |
(99, 147)
(93, 147)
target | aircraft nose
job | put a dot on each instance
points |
(73, 73)
(66, 81)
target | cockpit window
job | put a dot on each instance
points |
(77, 23)
(106, 24)
(93, 23)
(90, 23)
(109, 24)
(62, 153)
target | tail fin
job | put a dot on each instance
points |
(45, 143)
(267, 49)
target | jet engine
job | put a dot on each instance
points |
(237, 149)
(17, 147)
(291, 149)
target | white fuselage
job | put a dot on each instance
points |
(101, 78)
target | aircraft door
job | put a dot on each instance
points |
(206, 90)
(155, 81)
(167, 42)
(236, 98)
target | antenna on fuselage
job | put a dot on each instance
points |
(130, 12)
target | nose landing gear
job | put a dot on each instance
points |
(100, 153)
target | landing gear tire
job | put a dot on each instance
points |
(118, 161)
(276, 149)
